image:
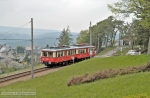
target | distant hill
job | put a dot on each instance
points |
(42, 37)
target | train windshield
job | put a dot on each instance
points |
(47, 54)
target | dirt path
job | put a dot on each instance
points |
(109, 53)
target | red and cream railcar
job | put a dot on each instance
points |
(83, 52)
(57, 55)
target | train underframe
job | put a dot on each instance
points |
(56, 64)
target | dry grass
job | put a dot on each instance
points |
(108, 74)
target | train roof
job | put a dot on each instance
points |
(57, 48)
(65, 48)
(81, 46)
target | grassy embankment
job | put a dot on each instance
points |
(9, 72)
(54, 85)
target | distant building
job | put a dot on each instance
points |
(5, 48)
(6, 55)
(35, 50)
(123, 42)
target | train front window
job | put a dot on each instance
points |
(44, 53)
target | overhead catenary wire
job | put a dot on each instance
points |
(17, 30)
(14, 29)
(17, 39)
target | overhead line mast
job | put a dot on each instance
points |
(90, 41)
(32, 73)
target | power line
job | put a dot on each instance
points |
(15, 30)
(17, 39)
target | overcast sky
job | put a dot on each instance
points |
(54, 14)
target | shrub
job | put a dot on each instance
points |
(108, 74)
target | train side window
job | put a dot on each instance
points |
(50, 54)
(71, 52)
(57, 54)
(61, 53)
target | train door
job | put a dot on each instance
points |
(86, 50)
(65, 54)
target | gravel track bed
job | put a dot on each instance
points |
(28, 77)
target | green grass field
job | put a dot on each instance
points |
(54, 85)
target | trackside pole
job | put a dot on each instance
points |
(32, 73)
(90, 41)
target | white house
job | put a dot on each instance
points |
(5, 48)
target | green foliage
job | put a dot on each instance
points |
(8, 70)
(102, 32)
(20, 49)
(27, 59)
(2, 68)
(54, 85)
(141, 10)
(65, 37)
(83, 37)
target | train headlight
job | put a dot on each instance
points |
(49, 62)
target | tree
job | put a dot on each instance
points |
(65, 37)
(82, 37)
(20, 49)
(2, 68)
(47, 46)
(102, 32)
(139, 8)
(27, 59)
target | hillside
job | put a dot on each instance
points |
(54, 85)
(42, 37)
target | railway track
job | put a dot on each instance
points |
(22, 74)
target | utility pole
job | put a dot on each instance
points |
(148, 52)
(90, 41)
(32, 73)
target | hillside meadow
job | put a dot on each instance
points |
(54, 85)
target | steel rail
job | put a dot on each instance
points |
(22, 74)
